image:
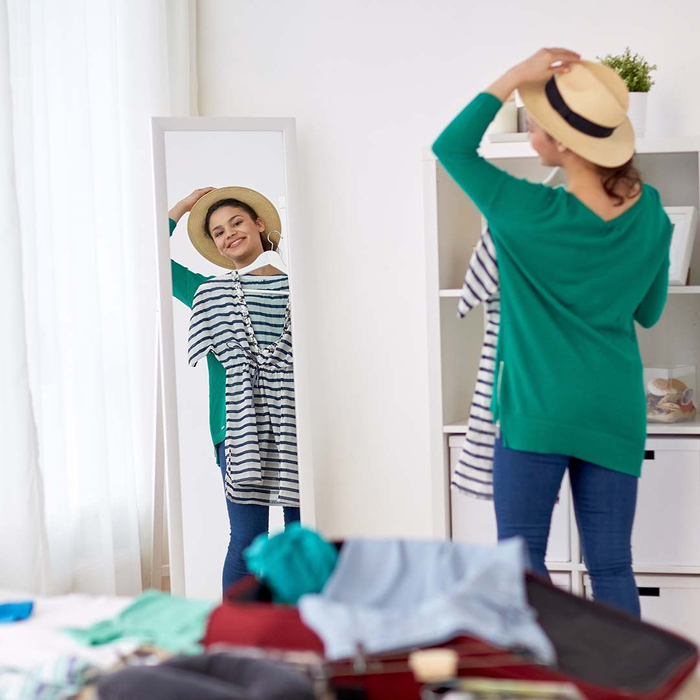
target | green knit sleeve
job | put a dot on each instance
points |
(503, 199)
(652, 306)
(185, 282)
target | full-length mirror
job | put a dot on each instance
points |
(233, 472)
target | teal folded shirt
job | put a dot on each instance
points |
(170, 623)
(293, 563)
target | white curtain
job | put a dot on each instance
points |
(78, 270)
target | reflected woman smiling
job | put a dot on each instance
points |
(241, 323)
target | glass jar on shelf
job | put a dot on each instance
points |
(670, 393)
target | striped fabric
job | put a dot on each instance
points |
(58, 679)
(266, 311)
(473, 474)
(250, 334)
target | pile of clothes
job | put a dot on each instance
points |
(374, 595)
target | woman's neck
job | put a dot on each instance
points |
(582, 179)
(584, 182)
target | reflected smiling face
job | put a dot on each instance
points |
(236, 235)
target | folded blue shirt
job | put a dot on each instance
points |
(13, 612)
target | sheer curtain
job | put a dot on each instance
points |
(85, 76)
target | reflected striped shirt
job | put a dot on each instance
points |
(250, 334)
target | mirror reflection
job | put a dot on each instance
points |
(232, 314)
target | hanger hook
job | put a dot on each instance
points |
(271, 242)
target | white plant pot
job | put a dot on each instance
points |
(638, 112)
(506, 119)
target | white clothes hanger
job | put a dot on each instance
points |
(267, 257)
(551, 175)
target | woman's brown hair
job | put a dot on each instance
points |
(626, 177)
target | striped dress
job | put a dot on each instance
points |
(250, 334)
(473, 474)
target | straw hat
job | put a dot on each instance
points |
(262, 206)
(586, 110)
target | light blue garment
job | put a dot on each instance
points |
(388, 595)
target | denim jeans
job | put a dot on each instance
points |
(246, 522)
(526, 485)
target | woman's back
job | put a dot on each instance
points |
(605, 206)
(571, 259)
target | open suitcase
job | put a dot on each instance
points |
(605, 653)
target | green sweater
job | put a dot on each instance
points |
(569, 376)
(185, 285)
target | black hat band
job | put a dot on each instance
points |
(572, 118)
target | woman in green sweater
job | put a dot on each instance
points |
(577, 267)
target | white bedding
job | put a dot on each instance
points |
(39, 639)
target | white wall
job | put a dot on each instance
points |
(370, 83)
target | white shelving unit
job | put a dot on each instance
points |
(666, 540)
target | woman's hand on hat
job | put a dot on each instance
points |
(541, 66)
(538, 68)
(193, 198)
(186, 204)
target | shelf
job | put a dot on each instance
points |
(513, 149)
(666, 569)
(690, 428)
(507, 138)
(691, 289)
(517, 146)
(653, 429)
(565, 567)
(649, 569)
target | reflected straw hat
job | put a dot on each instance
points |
(585, 110)
(262, 206)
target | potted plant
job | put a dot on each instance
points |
(636, 73)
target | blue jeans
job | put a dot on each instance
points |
(246, 522)
(525, 487)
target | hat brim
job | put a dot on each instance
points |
(203, 242)
(610, 152)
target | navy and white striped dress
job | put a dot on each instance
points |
(250, 334)
(473, 474)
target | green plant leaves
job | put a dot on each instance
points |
(632, 68)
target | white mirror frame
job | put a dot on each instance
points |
(167, 462)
